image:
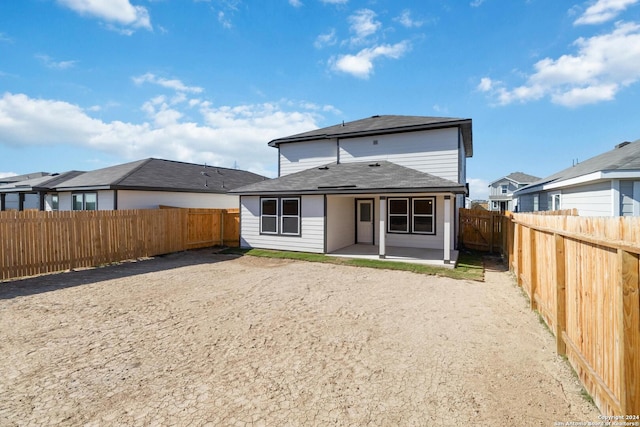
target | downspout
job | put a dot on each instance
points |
(338, 151)
(115, 200)
(41, 195)
(278, 160)
(3, 202)
(325, 224)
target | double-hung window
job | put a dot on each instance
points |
(84, 201)
(269, 216)
(399, 215)
(290, 217)
(423, 216)
(412, 215)
(280, 216)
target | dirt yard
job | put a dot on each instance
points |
(203, 339)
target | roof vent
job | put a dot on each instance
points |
(622, 144)
(374, 165)
(375, 117)
(324, 168)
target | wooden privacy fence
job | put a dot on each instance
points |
(582, 275)
(482, 230)
(35, 242)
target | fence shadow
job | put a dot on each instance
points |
(69, 279)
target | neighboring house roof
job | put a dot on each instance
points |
(354, 178)
(621, 162)
(518, 178)
(380, 125)
(16, 178)
(162, 175)
(41, 183)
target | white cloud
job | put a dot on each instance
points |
(363, 24)
(327, 39)
(602, 66)
(407, 21)
(58, 65)
(223, 20)
(478, 189)
(120, 12)
(603, 11)
(361, 64)
(334, 1)
(6, 174)
(223, 136)
(174, 84)
(476, 3)
(295, 3)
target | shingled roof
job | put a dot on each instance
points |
(39, 183)
(163, 175)
(354, 178)
(380, 125)
(625, 157)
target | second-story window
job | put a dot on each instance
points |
(504, 188)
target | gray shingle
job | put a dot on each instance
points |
(39, 183)
(626, 157)
(164, 175)
(522, 178)
(354, 178)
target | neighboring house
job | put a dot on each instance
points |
(605, 185)
(148, 183)
(33, 193)
(501, 191)
(390, 181)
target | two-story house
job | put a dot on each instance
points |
(501, 191)
(377, 185)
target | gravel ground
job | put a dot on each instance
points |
(197, 338)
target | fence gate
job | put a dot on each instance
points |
(483, 230)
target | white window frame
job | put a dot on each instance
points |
(283, 216)
(432, 215)
(390, 215)
(263, 215)
(536, 202)
(504, 189)
(83, 197)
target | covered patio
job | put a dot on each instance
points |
(399, 254)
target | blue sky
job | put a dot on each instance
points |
(86, 84)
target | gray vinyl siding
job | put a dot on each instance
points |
(311, 237)
(434, 151)
(299, 156)
(590, 200)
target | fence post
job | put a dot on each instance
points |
(561, 297)
(629, 341)
(491, 231)
(533, 279)
(519, 256)
(223, 217)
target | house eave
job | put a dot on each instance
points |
(336, 191)
(465, 124)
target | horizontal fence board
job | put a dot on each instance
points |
(35, 242)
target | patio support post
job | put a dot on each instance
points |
(41, 196)
(383, 227)
(3, 202)
(20, 201)
(447, 229)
